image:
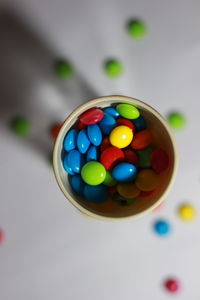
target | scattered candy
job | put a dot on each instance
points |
(75, 160)
(55, 130)
(77, 184)
(128, 190)
(145, 157)
(176, 120)
(187, 212)
(142, 139)
(96, 193)
(21, 126)
(162, 227)
(125, 122)
(109, 180)
(128, 111)
(83, 141)
(147, 180)
(124, 172)
(159, 160)
(113, 68)
(64, 69)
(94, 134)
(111, 156)
(172, 285)
(91, 116)
(70, 141)
(107, 124)
(93, 173)
(92, 153)
(111, 111)
(121, 136)
(137, 29)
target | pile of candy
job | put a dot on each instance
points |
(110, 152)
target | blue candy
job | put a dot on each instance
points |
(76, 160)
(66, 166)
(70, 140)
(77, 184)
(107, 124)
(111, 111)
(92, 153)
(94, 134)
(124, 172)
(96, 193)
(83, 142)
(140, 123)
(162, 227)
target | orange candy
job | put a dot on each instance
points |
(142, 139)
(147, 180)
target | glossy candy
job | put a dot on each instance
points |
(142, 139)
(75, 160)
(93, 173)
(124, 172)
(125, 122)
(144, 156)
(172, 285)
(187, 212)
(176, 120)
(77, 184)
(131, 156)
(113, 68)
(111, 156)
(83, 141)
(122, 201)
(94, 134)
(105, 143)
(109, 180)
(121, 136)
(96, 194)
(91, 116)
(79, 125)
(147, 180)
(66, 166)
(111, 111)
(159, 160)
(127, 111)
(140, 123)
(162, 227)
(128, 190)
(92, 153)
(107, 124)
(70, 140)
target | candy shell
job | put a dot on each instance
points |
(109, 180)
(131, 156)
(176, 120)
(128, 190)
(77, 184)
(79, 125)
(96, 194)
(83, 141)
(147, 180)
(21, 126)
(105, 143)
(107, 124)
(125, 122)
(113, 68)
(111, 111)
(93, 173)
(136, 29)
(70, 140)
(162, 227)
(92, 153)
(128, 111)
(172, 285)
(121, 136)
(94, 134)
(187, 212)
(159, 160)
(142, 139)
(124, 172)
(111, 156)
(76, 160)
(140, 123)
(66, 166)
(122, 201)
(144, 156)
(91, 116)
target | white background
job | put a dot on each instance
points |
(51, 251)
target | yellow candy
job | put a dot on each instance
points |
(147, 180)
(187, 212)
(128, 190)
(121, 136)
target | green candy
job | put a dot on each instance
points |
(137, 29)
(128, 111)
(144, 156)
(63, 69)
(113, 68)
(109, 180)
(21, 126)
(123, 201)
(93, 173)
(176, 120)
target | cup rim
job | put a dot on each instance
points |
(92, 103)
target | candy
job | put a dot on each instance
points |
(66, 166)
(107, 124)
(2, 237)
(147, 180)
(94, 134)
(128, 190)
(125, 122)
(172, 285)
(137, 29)
(142, 139)
(176, 120)
(159, 160)
(92, 153)
(91, 116)
(64, 69)
(144, 157)
(144, 194)
(79, 125)
(55, 130)
(83, 142)
(96, 194)
(21, 126)
(111, 156)
(93, 173)
(121, 136)
(105, 143)
(70, 140)
(112, 191)
(140, 123)
(109, 180)
(77, 184)
(187, 212)
(124, 172)
(162, 227)
(75, 160)
(131, 156)
(122, 201)
(128, 111)
(111, 111)
(113, 68)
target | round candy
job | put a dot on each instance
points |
(162, 227)
(187, 212)
(92, 153)
(21, 126)
(107, 124)
(176, 120)
(159, 160)
(83, 142)
(77, 184)
(75, 160)
(147, 180)
(91, 116)
(140, 123)
(109, 180)
(121, 136)
(63, 69)
(111, 111)
(93, 173)
(105, 143)
(128, 111)
(128, 190)
(111, 156)
(122, 201)
(172, 285)
(2, 237)
(113, 68)
(124, 172)
(55, 130)
(70, 140)
(128, 123)
(66, 166)
(142, 139)
(96, 194)
(137, 29)
(94, 134)
(131, 156)
(145, 157)
(79, 125)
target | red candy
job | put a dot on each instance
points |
(172, 285)
(79, 125)
(111, 156)
(105, 143)
(1, 236)
(159, 160)
(125, 122)
(55, 130)
(131, 157)
(142, 139)
(92, 116)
